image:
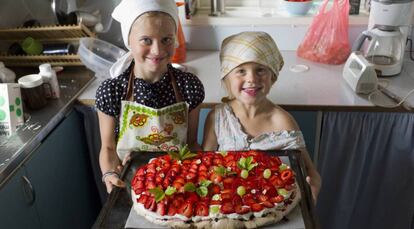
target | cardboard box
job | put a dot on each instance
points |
(11, 108)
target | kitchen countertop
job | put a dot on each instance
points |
(17, 148)
(320, 88)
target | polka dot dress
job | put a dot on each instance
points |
(156, 95)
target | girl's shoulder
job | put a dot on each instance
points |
(283, 119)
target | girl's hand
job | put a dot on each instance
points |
(112, 179)
(126, 159)
(314, 181)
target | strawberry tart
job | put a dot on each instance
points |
(214, 189)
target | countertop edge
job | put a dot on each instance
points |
(24, 153)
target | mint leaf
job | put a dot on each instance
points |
(170, 190)
(158, 193)
(248, 161)
(251, 166)
(220, 170)
(205, 183)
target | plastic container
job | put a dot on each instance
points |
(6, 75)
(98, 55)
(49, 76)
(298, 7)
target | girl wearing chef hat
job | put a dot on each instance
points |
(247, 119)
(147, 105)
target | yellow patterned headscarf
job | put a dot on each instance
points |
(258, 47)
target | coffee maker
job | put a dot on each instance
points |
(383, 44)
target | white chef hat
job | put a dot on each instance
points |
(258, 47)
(129, 10)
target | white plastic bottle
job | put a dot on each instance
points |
(6, 75)
(49, 75)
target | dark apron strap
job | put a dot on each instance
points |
(129, 95)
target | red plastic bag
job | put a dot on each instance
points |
(327, 38)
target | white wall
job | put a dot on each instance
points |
(287, 37)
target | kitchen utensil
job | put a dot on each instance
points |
(360, 74)
(33, 91)
(58, 49)
(383, 44)
(6, 75)
(98, 55)
(32, 46)
(298, 7)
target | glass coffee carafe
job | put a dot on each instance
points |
(384, 49)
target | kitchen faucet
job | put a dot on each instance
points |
(217, 7)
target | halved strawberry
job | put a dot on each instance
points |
(215, 189)
(236, 200)
(190, 176)
(256, 207)
(186, 209)
(216, 178)
(277, 199)
(150, 184)
(191, 197)
(262, 198)
(227, 208)
(151, 168)
(268, 204)
(201, 209)
(202, 173)
(217, 161)
(286, 174)
(206, 160)
(248, 199)
(241, 209)
(228, 182)
(276, 181)
(172, 210)
(161, 208)
(140, 172)
(202, 168)
(142, 199)
(178, 186)
(226, 194)
(201, 178)
(229, 157)
(139, 184)
(177, 201)
(158, 179)
(150, 204)
(215, 202)
(150, 176)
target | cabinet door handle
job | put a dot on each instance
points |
(28, 191)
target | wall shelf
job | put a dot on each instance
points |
(46, 35)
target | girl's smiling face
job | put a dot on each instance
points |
(152, 42)
(249, 82)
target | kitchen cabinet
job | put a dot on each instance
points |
(65, 194)
(60, 173)
(308, 121)
(17, 209)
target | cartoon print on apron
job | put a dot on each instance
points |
(144, 128)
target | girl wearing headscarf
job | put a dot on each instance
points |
(248, 120)
(146, 105)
